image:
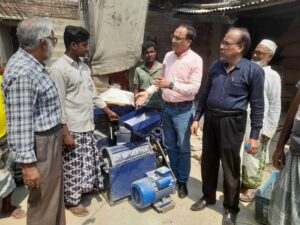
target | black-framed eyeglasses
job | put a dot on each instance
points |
(227, 44)
(177, 38)
(53, 39)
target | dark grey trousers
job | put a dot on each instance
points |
(46, 204)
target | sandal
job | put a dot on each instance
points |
(248, 195)
(80, 210)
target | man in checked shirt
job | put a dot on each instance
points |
(33, 121)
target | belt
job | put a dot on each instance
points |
(50, 130)
(224, 112)
(178, 104)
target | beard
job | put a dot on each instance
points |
(223, 57)
(49, 52)
(260, 63)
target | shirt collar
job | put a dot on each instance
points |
(183, 54)
(73, 62)
(237, 66)
(240, 64)
(33, 60)
(156, 64)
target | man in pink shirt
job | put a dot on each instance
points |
(180, 80)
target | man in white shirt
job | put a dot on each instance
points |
(78, 97)
(253, 165)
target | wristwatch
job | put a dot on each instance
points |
(171, 85)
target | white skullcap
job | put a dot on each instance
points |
(269, 44)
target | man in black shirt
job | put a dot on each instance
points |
(232, 83)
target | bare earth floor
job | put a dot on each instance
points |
(124, 213)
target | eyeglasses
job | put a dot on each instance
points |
(259, 53)
(53, 39)
(177, 38)
(227, 44)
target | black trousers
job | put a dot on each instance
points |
(223, 134)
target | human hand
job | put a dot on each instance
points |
(31, 175)
(160, 82)
(265, 139)
(141, 98)
(69, 142)
(194, 128)
(112, 116)
(279, 159)
(254, 144)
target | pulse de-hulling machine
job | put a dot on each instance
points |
(130, 168)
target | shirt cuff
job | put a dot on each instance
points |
(152, 89)
(269, 133)
(197, 117)
(24, 157)
(103, 105)
(99, 103)
(254, 134)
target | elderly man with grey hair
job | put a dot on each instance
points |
(33, 121)
(253, 164)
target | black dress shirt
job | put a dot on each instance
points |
(234, 90)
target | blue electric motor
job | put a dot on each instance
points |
(155, 189)
(124, 164)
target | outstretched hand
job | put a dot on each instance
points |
(112, 116)
(140, 98)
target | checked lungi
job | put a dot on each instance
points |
(82, 171)
(284, 207)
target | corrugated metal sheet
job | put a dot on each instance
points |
(244, 5)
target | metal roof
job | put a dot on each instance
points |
(234, 6)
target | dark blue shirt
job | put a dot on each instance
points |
(234, 90)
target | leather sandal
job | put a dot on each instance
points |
(80, 210)
(248, 195)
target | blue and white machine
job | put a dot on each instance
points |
(124, 164)
(155, 189)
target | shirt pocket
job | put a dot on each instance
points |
(237, 89)
(74, 79)
(182, 73)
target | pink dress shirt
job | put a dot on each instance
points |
(185, 72)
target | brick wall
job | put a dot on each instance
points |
(66, 9)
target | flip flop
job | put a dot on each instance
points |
(80, 210)
(18, 213)
(248, 195)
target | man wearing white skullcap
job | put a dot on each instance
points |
(253, 165)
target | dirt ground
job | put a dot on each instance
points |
(126, 213)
